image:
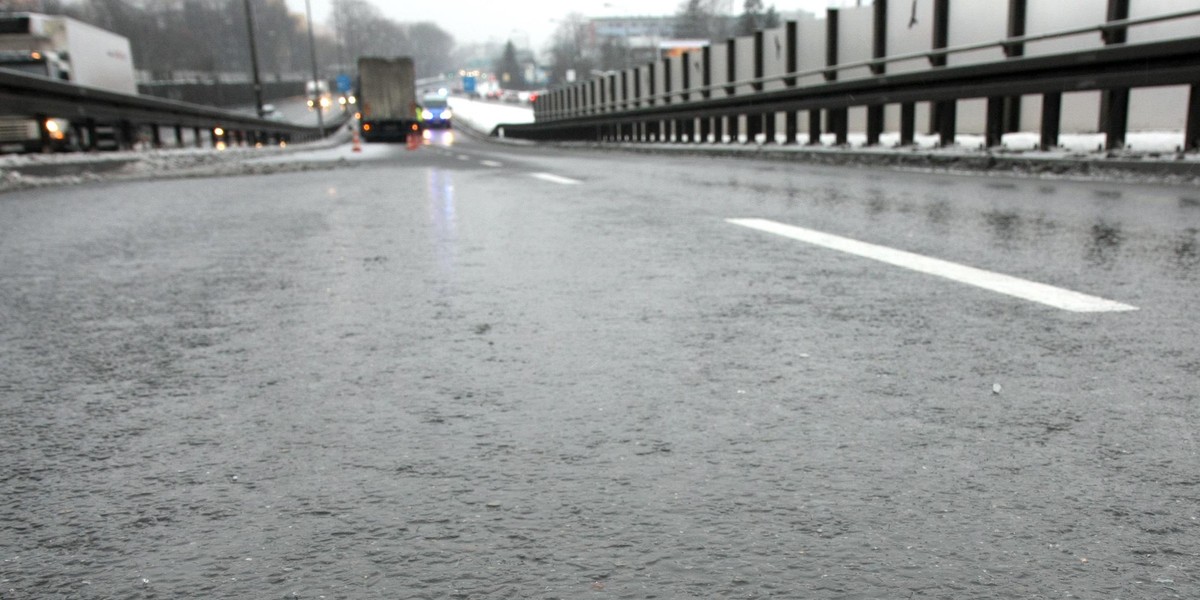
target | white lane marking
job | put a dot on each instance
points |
(555, 178)
(491, 163)
(463, 157)
(988, 280)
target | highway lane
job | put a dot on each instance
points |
(479, 370)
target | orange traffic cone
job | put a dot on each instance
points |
(414, 141)
(357, 142)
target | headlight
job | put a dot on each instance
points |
(446, 114)
(325, 102)
(425, 114)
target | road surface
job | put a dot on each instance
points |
(489, 371)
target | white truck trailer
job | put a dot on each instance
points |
(387, 98)
(64, 49)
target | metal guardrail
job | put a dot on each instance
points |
(696, 113)
(38, 97)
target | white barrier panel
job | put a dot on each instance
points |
(910, 30)
(745, 63)
(1048, 16)
(856, 30)
(811, 49)
(975, 21)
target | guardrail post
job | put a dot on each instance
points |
(43, 133)
(125, 135)
(179, 136)
(731, 66)
(875, 112)
(89, 125)
(791, 126)
(994, 134)
(908, 123)
(1191, 134)
(1016, 29)
(814, 127)
(686, 126)
(625, 90)
(1051, 117)
(155, 136)
(837, 118)
(1114, 103)
(733, 124)
(197, 138)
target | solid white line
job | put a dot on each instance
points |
(988, 280)
(555, 178)
(491, 163)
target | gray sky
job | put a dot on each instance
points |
(528, 21)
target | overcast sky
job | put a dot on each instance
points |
(528, 21)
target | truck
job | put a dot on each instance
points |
(64, 49)
(387, 99)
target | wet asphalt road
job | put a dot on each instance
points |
(430, 376)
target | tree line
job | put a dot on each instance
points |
(171, 37)
(573, 47)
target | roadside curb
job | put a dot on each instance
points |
(1049, 165)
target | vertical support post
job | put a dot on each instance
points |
(637, 87)
(995, 122)
(1117, 121)
(1051, 117)
(706, 72)
(833, 117)
(1191, 135)
(908, 123)
(874, 124)
(759, 70)
(666, 80)
(156, 136)
(754, 126)
(944, 113)
(875, 113)
(197, 138)
(215, 139)
(879, 36)
(93, 142)
(1114, 104)
(685, 75)
(705, 129)
(792, 45)
(733, 126)
(770, 123)
(179, 136)
(43, 134)
(650, 83)
(947, 129)
(1016, 29)
(791, 127)
(840, 123)
(731, 66)
(814, 127)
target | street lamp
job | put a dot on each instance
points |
(258, 100)
(312, 48)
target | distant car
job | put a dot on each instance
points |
(511, 96)
(317, 93)
(436, 113)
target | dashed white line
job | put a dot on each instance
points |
(555, 178)
(491, 163)
(463, 157)
(988, 280)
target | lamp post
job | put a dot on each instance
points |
(258, 99)
(312, 47)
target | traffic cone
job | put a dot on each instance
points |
(357, 142)
(414, 141)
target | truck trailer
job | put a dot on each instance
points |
(63, 49)
(387, 99)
